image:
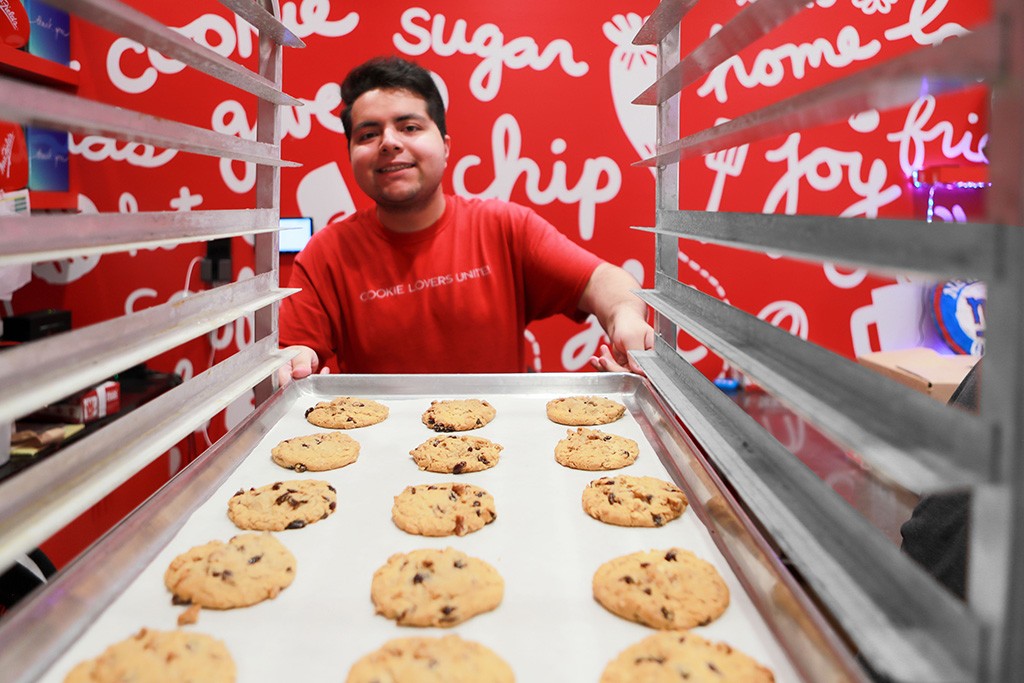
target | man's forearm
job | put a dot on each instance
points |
(609, 293)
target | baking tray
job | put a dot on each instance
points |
(548, 627)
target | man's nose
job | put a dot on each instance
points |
(389, 139)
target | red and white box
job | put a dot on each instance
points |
(102, 400)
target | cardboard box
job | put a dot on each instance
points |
(925, 370)
(85, 406)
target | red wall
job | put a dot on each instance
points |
(539, 113)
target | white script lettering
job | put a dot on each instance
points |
(915, 134)
(921, 16)
(229, 118)
(873, 190)
(769, 67)
(424, 32)
(297, 122)
(823, 169)
(96, 148)
(309, 18)
(599, 181)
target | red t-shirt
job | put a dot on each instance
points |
(452, 298)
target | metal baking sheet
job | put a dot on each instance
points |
(548, 627)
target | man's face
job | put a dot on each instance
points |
(398, 154)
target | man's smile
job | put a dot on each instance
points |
(394, 167)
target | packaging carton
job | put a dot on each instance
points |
(86, 406)
(50, 32)
(922, 369)
(47, 159)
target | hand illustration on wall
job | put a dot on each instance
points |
(323, 195)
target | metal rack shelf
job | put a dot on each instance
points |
(900, 621)
(36, 373)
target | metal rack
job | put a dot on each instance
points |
(44, 498)
(902, 624)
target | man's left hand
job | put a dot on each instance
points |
(636, 336)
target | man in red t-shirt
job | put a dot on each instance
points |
(435, 283)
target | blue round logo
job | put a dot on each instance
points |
(959, 309)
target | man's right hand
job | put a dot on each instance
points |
(302, 365)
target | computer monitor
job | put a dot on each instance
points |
(295, 233)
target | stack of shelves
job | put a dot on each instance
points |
(44, 498)
(900, 622)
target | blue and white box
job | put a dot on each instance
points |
(47, 159)
(50, 37)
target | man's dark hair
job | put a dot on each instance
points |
(391, 73)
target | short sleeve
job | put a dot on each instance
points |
(556, 270)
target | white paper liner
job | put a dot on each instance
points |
(548, 627)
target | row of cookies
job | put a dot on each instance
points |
(437, 587)
(458, 415)
(440, 587)
(351, 412)
(670, 590)
(444, 588)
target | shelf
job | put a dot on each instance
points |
(32, 68)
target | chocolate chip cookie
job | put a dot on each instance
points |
(592, 449)
(443, 509)
(347, 412)
(316, 452)
(664, 589)
(584, 410)
(633, 501)
(454, 454)
(681, 655)
(176, 655)
(458, 415)
(432, 587)
(448, 659)
(282, 505)
(246, 570)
